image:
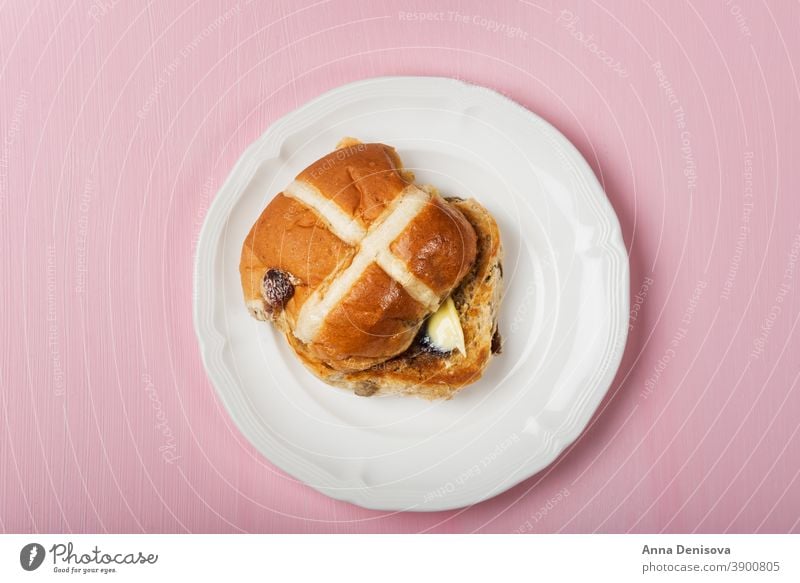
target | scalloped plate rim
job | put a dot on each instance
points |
(212, 342)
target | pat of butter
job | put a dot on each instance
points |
(444, 328)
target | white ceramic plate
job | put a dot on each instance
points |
(563, 317)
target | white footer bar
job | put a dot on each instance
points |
(406, 558)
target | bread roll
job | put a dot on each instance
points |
(352, 257)
(429, 374)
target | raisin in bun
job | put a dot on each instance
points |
(352, 258)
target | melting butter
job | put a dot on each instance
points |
(444, 328)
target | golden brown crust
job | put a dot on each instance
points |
(430, 376)
(361, 179)
(381, 320)
(288, 236)
(373, 317)
(438, 246)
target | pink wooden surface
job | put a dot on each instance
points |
(120, 119)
